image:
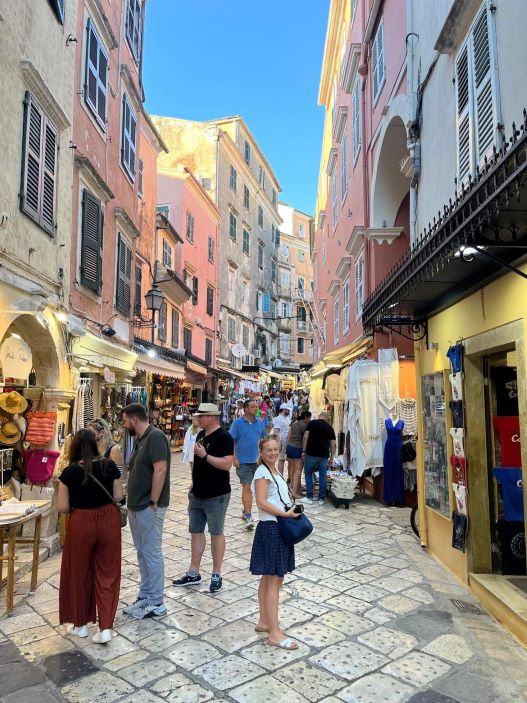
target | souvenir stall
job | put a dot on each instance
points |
(170, 406)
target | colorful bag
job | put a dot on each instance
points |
(40, 464)
(40, 425)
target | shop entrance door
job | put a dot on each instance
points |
(505, 485)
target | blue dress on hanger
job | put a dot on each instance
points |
(393, 489)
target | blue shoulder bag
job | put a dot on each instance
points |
(292, 529)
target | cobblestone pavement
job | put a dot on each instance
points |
(373, 613)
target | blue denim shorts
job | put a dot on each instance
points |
(293, 452)
(207, 511)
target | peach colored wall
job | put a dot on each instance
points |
(104, 152)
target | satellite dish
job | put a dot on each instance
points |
(238, 350)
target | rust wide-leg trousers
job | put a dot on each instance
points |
(90, 575)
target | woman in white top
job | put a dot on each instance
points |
(190, 441)
(271, 558)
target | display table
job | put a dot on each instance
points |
(8, 533)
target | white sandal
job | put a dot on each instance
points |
(289, 643)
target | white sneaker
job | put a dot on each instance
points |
(249, 522)
(102, 637)
(78, 631)
(149, 611)
(321, 501)
(305, 501)
(138, 603)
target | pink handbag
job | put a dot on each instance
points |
(40, 464)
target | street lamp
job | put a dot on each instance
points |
(154, 300)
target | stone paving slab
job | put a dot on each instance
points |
(371, 612)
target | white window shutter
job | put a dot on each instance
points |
(356, 118)
(484, 103)
(464, 149)
(346, 308)
(359, 286)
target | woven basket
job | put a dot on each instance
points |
(32, 393)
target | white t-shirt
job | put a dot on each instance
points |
(273, 496)
(457, 440)
(281, 423)
(456, 379)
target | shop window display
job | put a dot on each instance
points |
(435, 443)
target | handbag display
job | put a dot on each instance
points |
(40, 425)
(123, 510)
(39, 464)
(292, 530)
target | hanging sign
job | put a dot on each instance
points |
(16, 358)
(109, 376)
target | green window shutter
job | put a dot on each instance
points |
(96, 87)
(31, 166)
(49, 177)
(91, 244)
(124, 266)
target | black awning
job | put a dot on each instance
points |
(443, 266)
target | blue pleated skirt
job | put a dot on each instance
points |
(270, 555)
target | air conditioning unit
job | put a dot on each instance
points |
(257, 353)
(248, 360)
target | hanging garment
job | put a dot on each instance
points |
(460, 494)
(459, 470)
(459, 531)
(456, 381)
(393, 488)
(457, 440)
(455, 354)
(512, 542)
(388, 380)
(456, 408)
(505, 380)
(407, 411)
(508, 429)
(363, 418)
(511, 483)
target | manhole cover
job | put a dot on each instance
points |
(465, 607)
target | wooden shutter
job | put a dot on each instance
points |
(124, 266)
(483, 93)
(58, 9)
(356, 118)
(33, 131)
(96, 88)
(195, 290)
(175, 328)
(210, 300)
(138, 290)
(162, 322)
(49, 171)
(91, 245)
(359, 286)
(128, 147)
(464, 150)
(346, 308)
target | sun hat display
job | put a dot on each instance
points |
(207, 409)
(13, 403)
(10, 434)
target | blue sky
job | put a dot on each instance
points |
(257, 58)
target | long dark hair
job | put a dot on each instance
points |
(84, 451)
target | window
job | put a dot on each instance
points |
(359, 285)
(377, 59)
(211, 249)
(476, 122)
(335, 197)
(324, 248)
(355, 109)
(284, 344)
(167, 254)
(134, 28)
(58, 9)
(273, 270)
(124, 270)
(91, 242)
(232, 329)
(284, 251)
(247, 152)
(273, 233)
(274, 197)
(301, 283)
(353, 9)
(128, 138)
(233, 224)
(301, 230)
(162, 322)
(285, 278)
(336, 321)
(39, 166)
(286, 311)
(175, 328)
(261, 177)
(234, 179)
(260, 255)
(195, 290)
(210, 300)
(231, 279)
(208, 351)
(164, 210)
(301, 314)
(246, 197)
(260, 217)
(300, 342)
(187, 340)
(138, 302)
(266, 303)
(344, 166)
(96, 75)
(190, 226)
(346, 307)
(245, 336)
(259, 296)
(301, 255)
(245, 243)
(140, 179)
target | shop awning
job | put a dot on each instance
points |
(237, 374)
(196, 368)
(160, 366)
(99, 352)
(342, 356)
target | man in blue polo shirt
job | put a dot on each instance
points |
(247, 431)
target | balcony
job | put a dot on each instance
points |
(173, 286)
(284, 324)
(302, 326)
(284, 291)
(284, 259)
(303, 294)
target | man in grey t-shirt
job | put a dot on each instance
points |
(148, 499)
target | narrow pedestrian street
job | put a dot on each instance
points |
(376, 617)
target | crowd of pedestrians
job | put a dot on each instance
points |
(263, 436)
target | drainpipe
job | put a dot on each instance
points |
(413, 143)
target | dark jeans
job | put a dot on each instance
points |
(311, 464)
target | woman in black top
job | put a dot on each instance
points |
(90, 574)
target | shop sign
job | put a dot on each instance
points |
(16, 358)
(109, 376)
